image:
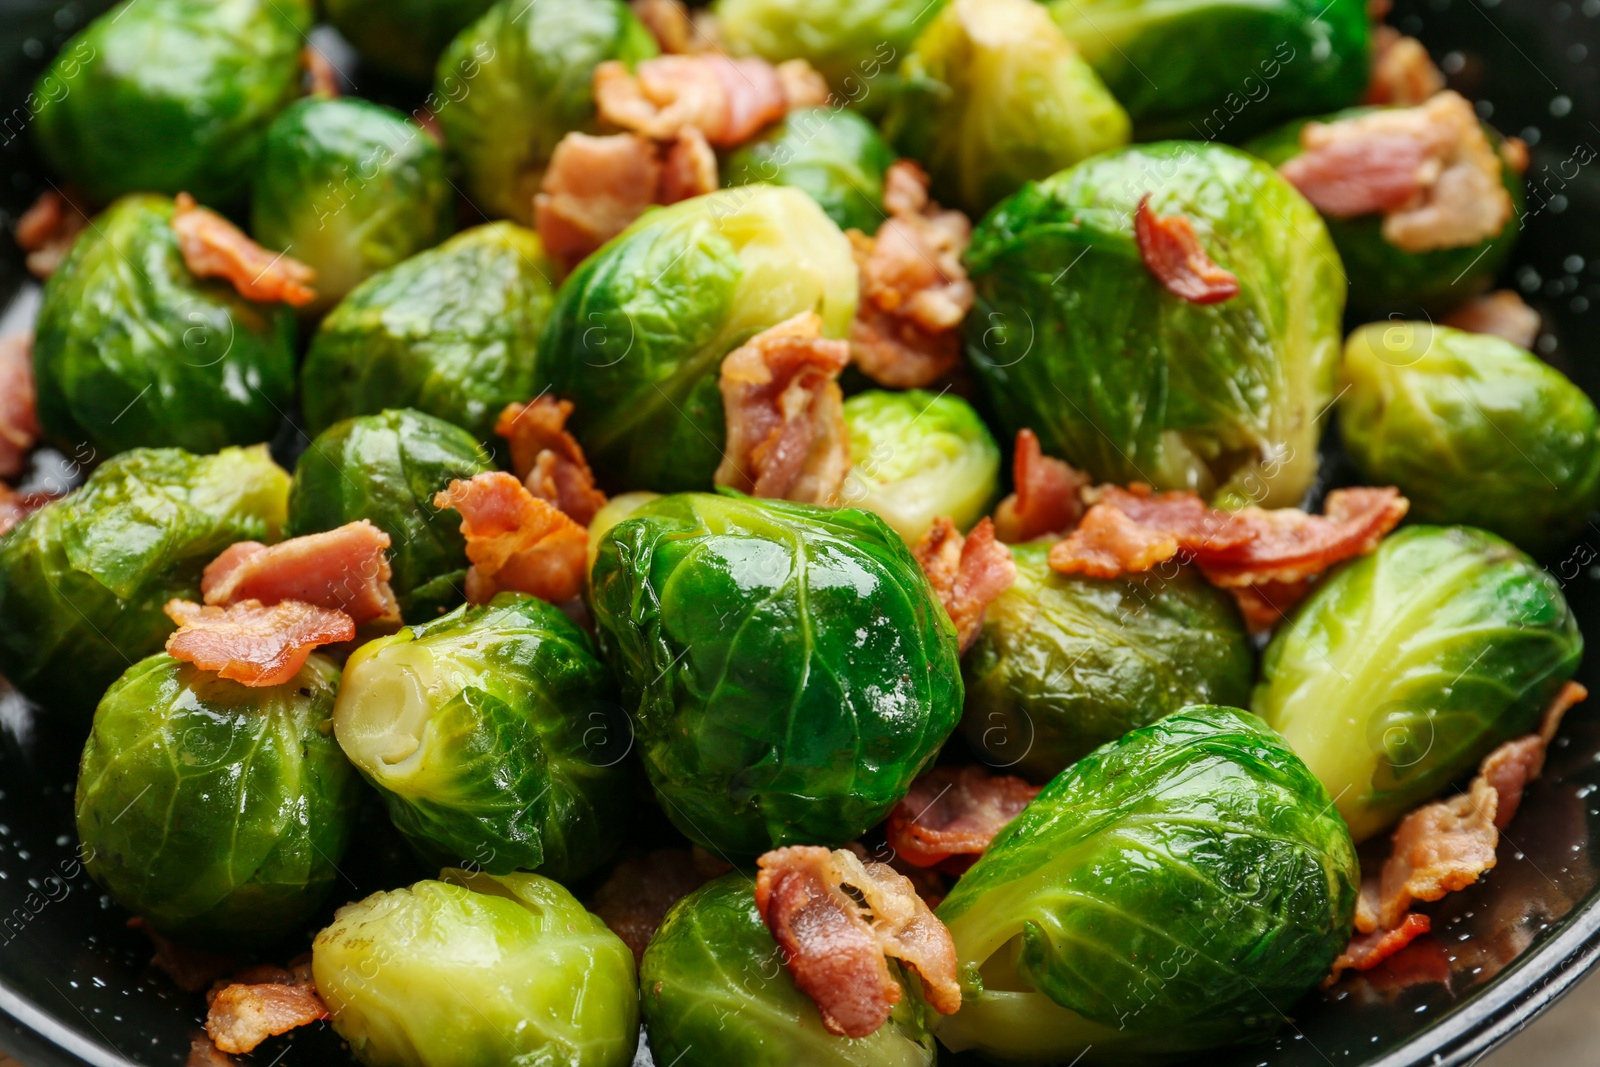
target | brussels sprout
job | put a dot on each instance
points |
(516, 81)
(349, 188)
(1171, 892)
(850, 43)
(639, 330)
(1210, 70)
(386, 468)
(83, 579)
(1382, 275)
(215, 809)
(474, 969)
(170, 95)
(918, 456)
(1132, 383)
(132, 350)
(788, 668)
(1407, 666)
(1065, 664)
(451, 332)
(715, 992)
(836, 156)
(403, 37)
(994, 96)
(492, 735)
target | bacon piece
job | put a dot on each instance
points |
(728, 100)
(47, 230)
(213, 247)
(1047, 500)
(968, 573)
(1108, 543)
(204, 1053)
(244, 1014)
(837, 946)
(668, 22)
(1361, 176)
(15, 506)
(1509, 768)
(1402, 73)
(1291, 546)
(344, 569)
(640, 891)
(1501, 313)
(688, 168)
(803, 85)
(1172, 252)
(191, 969)
(1514, 153)
(321, 77)
(251, 643)
(786, 436)
(516, 541)
(19, 423)
(1264, 604)
(1366, 951)
(955, 812)
(548, 459)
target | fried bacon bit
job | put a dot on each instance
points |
(1108, 542)
(803, 85)
(1048, 497)
(1402, 73)
(261, 1003)
(969, 573)
(204, 1053)
(191, 969)
(321, 78)
(1264, 604)
(47, 230)
(15, 506)
(516, 541)
(640, 891)
(728, 100)
(1501, 313)
(1514, 153)
(914, 287)
(837, 944)
(955, 812)
(251, 643)
(1514, 764)
(1366, 951)
(344, 570)
(213, 247)
(19, 423)
(1429, 170)
(1171, 251)
(786, 435)
(548, 459)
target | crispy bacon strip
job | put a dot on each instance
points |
(345, 570)
(548, 459)
(213, 247)
(786, 435)
(640, 891)
(19, 423)
(47, 230)
(1501, 313)
(1047, 500)
(727, 100)
(1108, 542)
(1402, 74)
(261, 1003)
(837, 948)
(1366, 951)
(968, 573)
(251, 643)
(955, 812)
(516, 541)
(15, 506)
(1171, 251)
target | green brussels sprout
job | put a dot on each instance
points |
(1382, 275)
(1132, 383)
(1065, 664)
(1221, 70)
(170, 96)
(474, 969)
(715, 992)
(1407, 666)
(1473, 429)
(386, 468)
(850, 44)
(639, 330)
(993, 96)
(788, 668)
(918, 456)
(349, 188)
(1169, 893)
(492, 735)
(215, 809)
(83, 580)
(403, 37)
(836, 156)
(517, 80)
(132, 350)
(451, 332)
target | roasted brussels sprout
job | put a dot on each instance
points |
(993, 96)
(1407, 666)
(516, 81)
(639, 330)
(1221, 71)
(850, 43)
(478, 969)
(403, 37)
(787, 667)
(715, 992)
(1065, 664)
(170, 96)
(451, 332)
(83, 579)
(215, 809)
(492, 735)
(349, 188)
(836, 156)
(1169, 893)
(132, 350)
(918, 456)
(1128, 381)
